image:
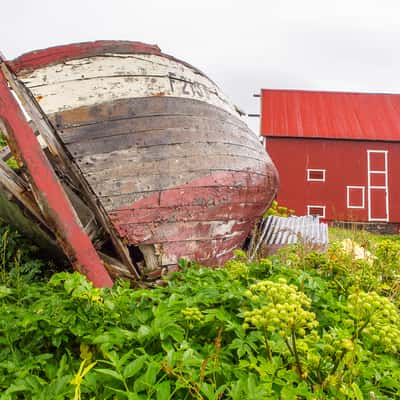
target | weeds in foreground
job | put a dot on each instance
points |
(293, 326)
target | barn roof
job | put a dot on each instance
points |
(330, 115)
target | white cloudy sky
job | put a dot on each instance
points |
(345, 45)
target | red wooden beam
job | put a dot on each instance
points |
(40, 58)
(49, 193)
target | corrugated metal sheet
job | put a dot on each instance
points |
(336, 115)
(280, 231)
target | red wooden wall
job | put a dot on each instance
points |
(346, 170)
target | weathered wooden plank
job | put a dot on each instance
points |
(146, 184)
(53, 55)
(159, 155)
(190, 230)
(134, 190)
(171, 167)
(172, 151)
(166, 137)
(5, 153)
(60, 153)
(222, 212)
(140, 107)
(17, 216)
(20, 190)
(89, 81)
(211, 196)
(189, 196)
(48, 190)
(126, 200)
(115, 267)
(110, 65)
(208, 252)
(143, 126)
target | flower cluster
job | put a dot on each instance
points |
(192, 314)
(377, 318)
(283, 309)
(237, 269)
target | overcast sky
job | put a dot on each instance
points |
(351, 45)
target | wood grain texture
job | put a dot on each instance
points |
(161, 136)
(143, 108)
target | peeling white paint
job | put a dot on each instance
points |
(94, 80)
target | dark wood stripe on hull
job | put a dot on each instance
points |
(163, 136)
(146, 107)
(106, 162)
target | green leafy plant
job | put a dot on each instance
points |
(292, 326)
(280, 211)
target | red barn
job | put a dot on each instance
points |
(338, 154)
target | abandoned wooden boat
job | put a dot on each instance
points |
(165, 153)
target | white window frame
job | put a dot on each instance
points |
(370, 187)
(363, 196)
(309, 179)
(323, 208)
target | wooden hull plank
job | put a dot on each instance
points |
(59, 54)
(143, 125)
(142, 107)
(94, 80)
(152, 138)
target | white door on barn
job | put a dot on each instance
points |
(378, 196)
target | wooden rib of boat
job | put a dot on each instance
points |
(167, 155)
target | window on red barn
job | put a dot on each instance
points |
(316, 175)
(318, 211)
(355, 197)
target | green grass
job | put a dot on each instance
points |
(363, 237)
(293, 326)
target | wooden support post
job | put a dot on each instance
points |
(48, 191)
(58, 150)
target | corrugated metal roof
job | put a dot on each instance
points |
(330, 115)
(280, 231)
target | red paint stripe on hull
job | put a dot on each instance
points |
(185, 213)
(199, 223)
(179, 231)
(209, 253)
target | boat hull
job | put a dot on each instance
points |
(165, 152)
